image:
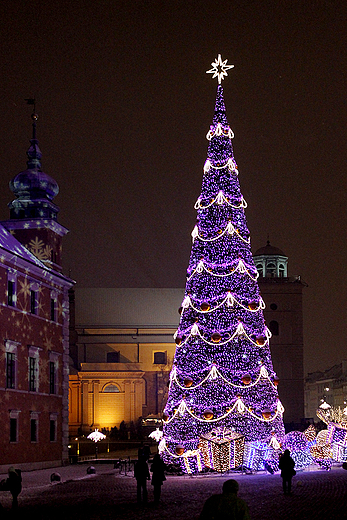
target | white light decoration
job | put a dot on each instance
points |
(157, 435)
(219, 68)
(96, 436)
(207, 166)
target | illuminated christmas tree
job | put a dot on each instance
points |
(223, 389)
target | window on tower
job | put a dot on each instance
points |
(271, 270)
(274, 328)
(260, 269)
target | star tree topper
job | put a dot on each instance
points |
(219, 68)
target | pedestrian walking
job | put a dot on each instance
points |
(286, 465)
(227, 506)
(13, 484)
(158, 476)
(141, 473)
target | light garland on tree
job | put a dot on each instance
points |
(222, 379)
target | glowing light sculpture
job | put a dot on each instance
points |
(222, 376)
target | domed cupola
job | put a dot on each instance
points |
(271, 262)
(34, 189)
(33, 214)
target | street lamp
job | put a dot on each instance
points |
(96, 436)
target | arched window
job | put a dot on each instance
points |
(271, 270)
(281, 270)
(260, 269)
(111, 388)
(274, 328)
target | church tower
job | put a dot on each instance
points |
(33, 214)
(283, 315)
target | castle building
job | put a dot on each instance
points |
(34, 324)
(123, 347)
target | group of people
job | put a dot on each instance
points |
(142, 475)
(226, 506)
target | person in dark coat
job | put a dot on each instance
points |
(158, 476)
(141, 473)
(227, 506)
(14, 484)
(286, 465)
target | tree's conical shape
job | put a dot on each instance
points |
(222, 382)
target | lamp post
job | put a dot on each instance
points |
(96, 436)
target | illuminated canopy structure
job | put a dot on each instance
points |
(222, 378)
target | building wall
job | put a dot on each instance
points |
(283, 299)
(26, 334)
(138, 323)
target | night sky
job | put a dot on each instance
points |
(124, 106)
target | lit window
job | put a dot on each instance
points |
(111, 388)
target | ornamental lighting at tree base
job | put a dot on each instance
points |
(222, 378)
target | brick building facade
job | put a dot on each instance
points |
(34, 324)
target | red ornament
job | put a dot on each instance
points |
(216, 337)
(246, 379)
(266, 414)
(178, 340)
(165, 417)
(205, 306)
(188, 382)
(261, 340)
(208, 414)
(252, 306)
(179, 449)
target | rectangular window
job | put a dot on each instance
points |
(52, 309)
(33, 430)
(113, 357)
(53, 430)
(10, 370)
(32, 302)
(51, 377)
(10, 293)
(160, 358)
(13, 429)
(32, 374)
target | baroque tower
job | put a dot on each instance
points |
(33, 214)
